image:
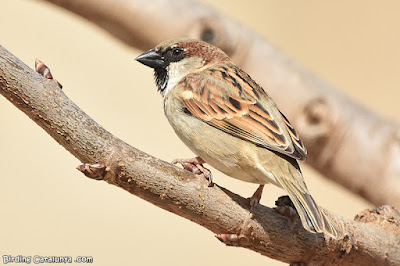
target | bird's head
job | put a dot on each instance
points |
(174, 59)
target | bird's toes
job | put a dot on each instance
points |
(195, 165)
(254, 201)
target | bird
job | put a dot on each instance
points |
(231, 123)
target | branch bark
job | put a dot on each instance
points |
(344, 139)
(370, 241)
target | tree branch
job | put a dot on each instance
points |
(173, 189)
(344, 139)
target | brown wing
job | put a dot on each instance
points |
(228, 99)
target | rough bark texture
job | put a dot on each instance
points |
(344, 140)
(373, 240)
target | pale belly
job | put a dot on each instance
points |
(235, 157)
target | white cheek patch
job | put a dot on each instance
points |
(175, 73)
(178, 70)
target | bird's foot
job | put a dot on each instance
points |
(255, 199)
(284, 206)
(195, 165)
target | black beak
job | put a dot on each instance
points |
(151, 59)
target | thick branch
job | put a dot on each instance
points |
(182, 193)
(344, 139)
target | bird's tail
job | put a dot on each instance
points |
(312, 218)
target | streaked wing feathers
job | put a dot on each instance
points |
(228, 99)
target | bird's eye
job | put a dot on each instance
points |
(177, 52)
(174, 54)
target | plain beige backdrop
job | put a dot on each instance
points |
(48, 208)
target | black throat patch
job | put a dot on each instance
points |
(161, 78)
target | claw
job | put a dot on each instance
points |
(284, 206)
(195, 165)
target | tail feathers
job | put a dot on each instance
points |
(312, 218)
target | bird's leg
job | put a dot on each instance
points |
(195, 165)
(255, 199)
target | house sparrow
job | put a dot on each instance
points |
(231, 123)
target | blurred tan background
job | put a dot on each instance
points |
(50, 209)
